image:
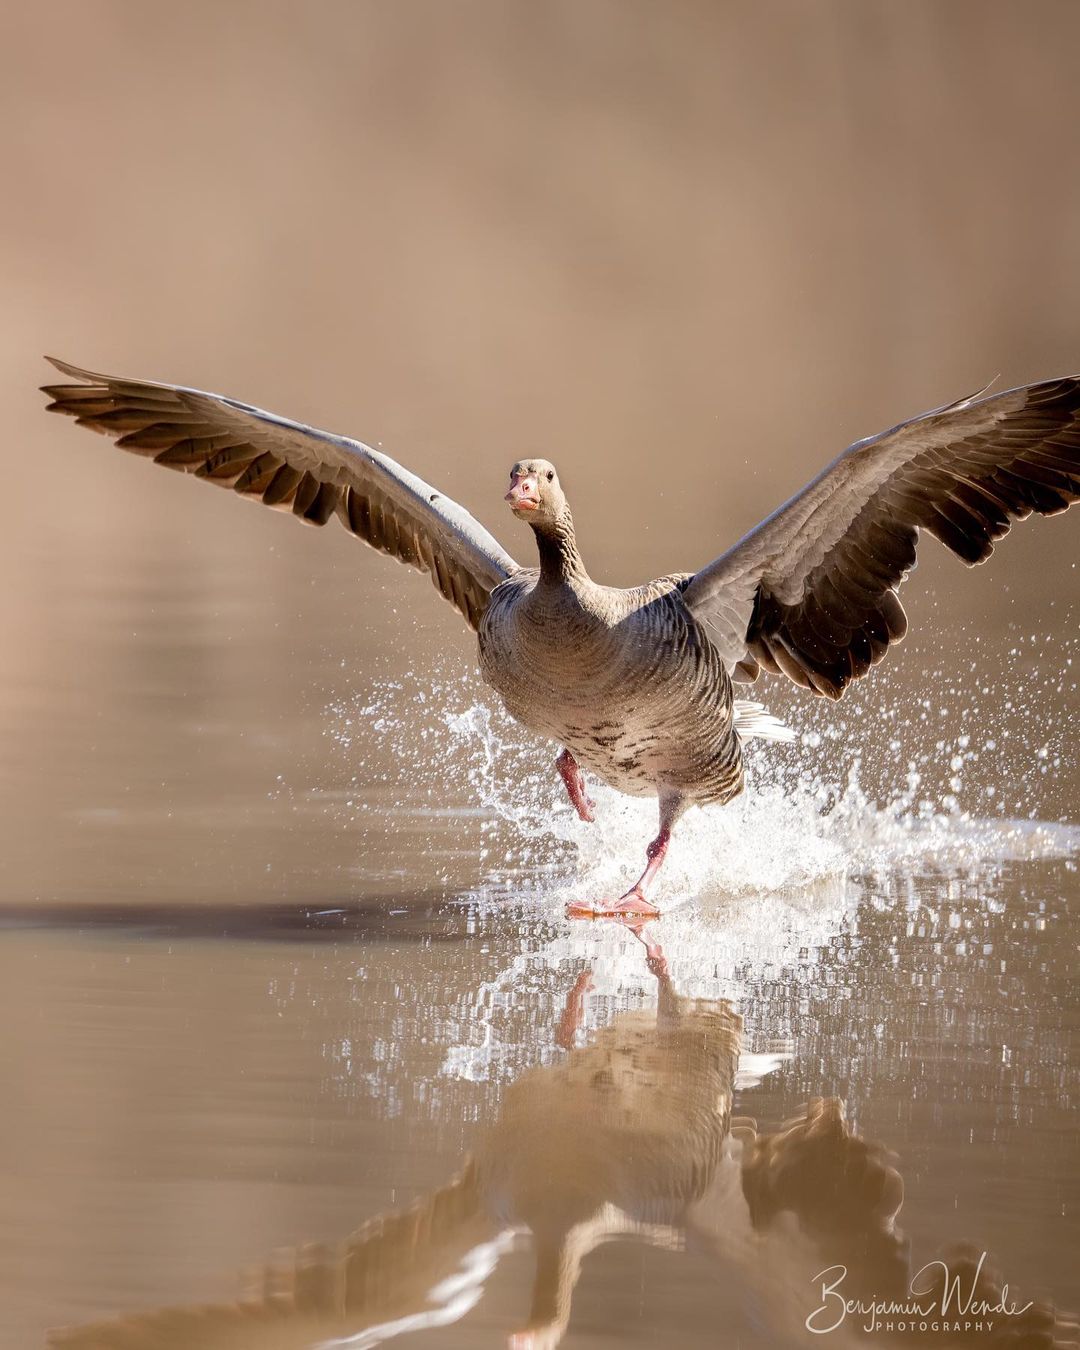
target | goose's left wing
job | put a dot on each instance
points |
(811, 592)
(295, 468)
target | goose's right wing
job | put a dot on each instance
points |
(295, 468)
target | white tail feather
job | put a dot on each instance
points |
(751, 719)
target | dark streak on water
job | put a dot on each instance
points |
(432, 918)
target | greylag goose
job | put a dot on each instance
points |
(637, 685)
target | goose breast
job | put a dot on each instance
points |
(628, 680)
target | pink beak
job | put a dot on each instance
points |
(524, 494)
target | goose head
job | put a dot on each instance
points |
(535, 494)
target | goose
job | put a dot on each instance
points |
(637, 685)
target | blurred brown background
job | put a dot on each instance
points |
(688, 250)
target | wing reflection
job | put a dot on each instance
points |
(629, 1135)
(823, 1204)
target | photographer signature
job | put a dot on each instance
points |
(932, 1306)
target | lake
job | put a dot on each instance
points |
(295, 1017)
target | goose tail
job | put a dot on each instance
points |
(751, 719)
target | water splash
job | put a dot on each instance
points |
(912, 794)
(946, 779)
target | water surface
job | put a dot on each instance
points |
(250, 1011)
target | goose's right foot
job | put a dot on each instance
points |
(570, 773)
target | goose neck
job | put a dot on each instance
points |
(556, 543)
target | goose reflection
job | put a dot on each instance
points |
(630, 1135)
(620, 1137)
(623, 1136)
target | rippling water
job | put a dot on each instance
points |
(394, 1093)
(192, 1094)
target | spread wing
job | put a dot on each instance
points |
(811, 592)
(295, 468)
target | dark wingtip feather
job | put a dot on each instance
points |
(833, 690)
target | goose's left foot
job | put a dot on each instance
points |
(633, 906)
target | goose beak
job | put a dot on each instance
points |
(524, 494)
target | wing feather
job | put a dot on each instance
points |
(296, 468)
(811, 592)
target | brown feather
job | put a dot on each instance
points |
(831, 558)
(294, 468)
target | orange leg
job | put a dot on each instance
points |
(635, 905)
(570, 773)
(570, 1021)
